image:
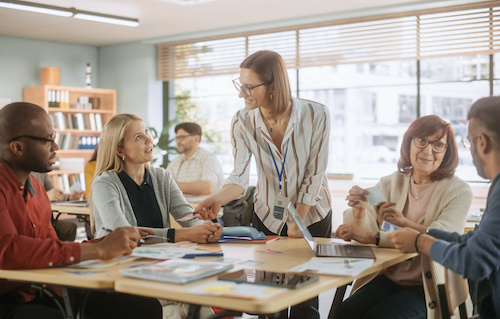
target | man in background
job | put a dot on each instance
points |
(196, 171)
(476, 254)
(65, 229)
(27, 238)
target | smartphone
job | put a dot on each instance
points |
(268, 278)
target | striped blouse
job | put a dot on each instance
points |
(304, 178)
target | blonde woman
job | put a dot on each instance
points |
(127, 191)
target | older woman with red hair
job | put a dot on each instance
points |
(424, 193)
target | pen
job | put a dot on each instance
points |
(141, 241)
(203, 255)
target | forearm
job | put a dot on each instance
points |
(228, 193)
(420, 228)
(90, 251)
(197, 188)
(424, 243)
(302, 210)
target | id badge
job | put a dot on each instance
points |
(279, 208)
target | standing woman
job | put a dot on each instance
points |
(289, 138)
(126, 191)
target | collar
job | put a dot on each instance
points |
(294, 116)
(13, 179)
(147, 178)
(184, 158)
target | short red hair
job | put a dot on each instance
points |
(424, 127)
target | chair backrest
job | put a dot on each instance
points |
(452, 294)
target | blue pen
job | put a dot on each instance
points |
(203, 255)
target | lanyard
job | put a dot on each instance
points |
(280, 174)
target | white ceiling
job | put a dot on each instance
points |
(161, 20)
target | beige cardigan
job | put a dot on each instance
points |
(447, 210)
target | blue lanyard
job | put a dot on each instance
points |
(280, 174)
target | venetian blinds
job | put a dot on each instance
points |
(472, 29)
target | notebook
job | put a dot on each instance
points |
(332, 249)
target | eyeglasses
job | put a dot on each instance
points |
(181, 138)
(437, 147)
(466, 143)
(50, 140)
(246, 90)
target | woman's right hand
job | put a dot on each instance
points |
(208, 208)
(352, 231)
(357, 200)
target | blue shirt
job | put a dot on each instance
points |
(476, 254)
(143, 200)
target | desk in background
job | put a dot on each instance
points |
(82, 213)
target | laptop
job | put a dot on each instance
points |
(332, 249)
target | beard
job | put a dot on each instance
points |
(479, 163)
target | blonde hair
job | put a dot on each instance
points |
(271, 69)
(112, 139)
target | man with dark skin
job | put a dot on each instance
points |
(27, 239)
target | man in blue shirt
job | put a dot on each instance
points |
(476, 254)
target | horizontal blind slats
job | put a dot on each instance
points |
(423, 35)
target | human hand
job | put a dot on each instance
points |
(204, 233)
(404, 239)
(355, 232)
(387, 212)
(120, 241)
(293, 230)
(143, 232)
(208, 208)
(55, 195)
(77, 195)
(357, 200)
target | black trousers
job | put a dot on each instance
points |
(100, 304)
(307, 309)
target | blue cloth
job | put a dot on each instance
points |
(476, 254)
(143, 200)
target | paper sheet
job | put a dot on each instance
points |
(334, 266)
(163, 251)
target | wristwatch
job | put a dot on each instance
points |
(377, 238)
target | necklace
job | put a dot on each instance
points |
(270, 124)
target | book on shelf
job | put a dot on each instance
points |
(98, 121)
(179, 271)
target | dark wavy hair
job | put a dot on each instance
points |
(424, 127)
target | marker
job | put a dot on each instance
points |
(203, 255)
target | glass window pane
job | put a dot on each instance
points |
(451, 101)
(455, 68)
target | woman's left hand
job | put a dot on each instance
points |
(387, 212)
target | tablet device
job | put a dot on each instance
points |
(268, 278)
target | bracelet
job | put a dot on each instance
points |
(171, 235)
(416, 242)
(377, 238)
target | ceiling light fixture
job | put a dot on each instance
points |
(69, 12)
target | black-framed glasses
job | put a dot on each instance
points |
(50, 140)
(437, 147)
(181, 138)
(246, 90)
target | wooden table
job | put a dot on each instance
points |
(295, 252)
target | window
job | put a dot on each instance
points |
(375, 77)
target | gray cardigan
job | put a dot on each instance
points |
(111, 206)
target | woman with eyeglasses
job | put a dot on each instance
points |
(423, 194)
(289, 138)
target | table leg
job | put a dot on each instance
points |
(337, 302)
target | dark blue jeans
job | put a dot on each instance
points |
(382, 298)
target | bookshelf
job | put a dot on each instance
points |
(78, 115)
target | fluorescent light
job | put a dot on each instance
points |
(35, 7)
(106, 19)
(69, 12)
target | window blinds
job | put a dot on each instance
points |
(470, 29)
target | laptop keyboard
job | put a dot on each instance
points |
(334, 250)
